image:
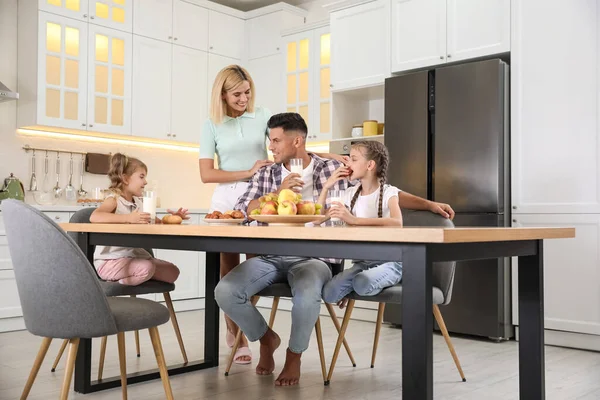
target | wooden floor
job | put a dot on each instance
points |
(491, 368)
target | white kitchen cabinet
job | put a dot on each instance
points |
(190, 25)
(174, 105)
(114, 14)
(226, 35)
(174, 21)
(360, 45)
(555, 155)
(60, 217)
(418, 33)
(189, 105)
(431, 32)
(477, 28)
(266, 73)
(109, 80)
(152, 66)
(10, 306)
(571, 273)
(264, 32)
(61, 72)
(77, 9)
(153, 19)
(5, 262)
(307, 79)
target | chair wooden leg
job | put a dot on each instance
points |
(59, 355)
(137, 337)
(175, 325)
(36, 366)
(440, 321)
(377, 332)
(160, 360)
(273, 311)
(66, 386)
(102, 355)
(338, 327)
(238, 339)
(340, 340)
(319, 334)
(122, 363)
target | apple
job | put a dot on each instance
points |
(287, 207)
(270, 208)
(288, 195)
(306, 207)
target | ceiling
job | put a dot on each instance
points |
(247, 5)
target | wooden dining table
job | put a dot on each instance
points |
(416, 248)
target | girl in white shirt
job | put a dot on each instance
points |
(129, 266)
(370, 203)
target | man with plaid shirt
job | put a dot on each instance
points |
(306, 276)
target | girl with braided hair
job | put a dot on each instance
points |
(370, 203)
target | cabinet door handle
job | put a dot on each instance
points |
(170, 37)
(211, 47)
(175, 38)
(441, 57)
(449, 56)
(85, 15)
(92, 17)
(91, 126)
(174, 135)
(56, 217)
(168, 135)
(83, 125)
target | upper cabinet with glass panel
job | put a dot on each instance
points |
(77, 77)
(307, 56)
(116, 14)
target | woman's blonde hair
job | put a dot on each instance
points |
(121, 166)
(228, 79)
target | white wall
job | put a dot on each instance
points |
(176, 172)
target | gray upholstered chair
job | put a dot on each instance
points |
(279, 290)
(112, 289)
(443, 281)
(61, 297)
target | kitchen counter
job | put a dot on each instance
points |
(75, 207)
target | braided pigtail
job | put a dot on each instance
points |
(354, 198)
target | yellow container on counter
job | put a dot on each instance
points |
(370, 128)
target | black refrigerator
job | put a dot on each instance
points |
(447, 132)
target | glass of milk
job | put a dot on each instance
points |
(149, 204)
(335, 196)
(296, 166)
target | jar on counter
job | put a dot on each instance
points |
(370, 127)
(357, 131)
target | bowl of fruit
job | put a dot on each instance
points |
(287, 208)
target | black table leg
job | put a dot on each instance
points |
(417, 324)
(211, 310)
(532, 385)
(83, 363)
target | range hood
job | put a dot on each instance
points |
(6, 94)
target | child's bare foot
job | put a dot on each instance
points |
(290, 374)
(268, 344)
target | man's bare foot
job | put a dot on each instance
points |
(290, 374)
(268, 344)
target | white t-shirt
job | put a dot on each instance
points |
(368, 206)
(307, 177)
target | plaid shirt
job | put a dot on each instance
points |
(268, 180)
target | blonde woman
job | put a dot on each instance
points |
(236, 132)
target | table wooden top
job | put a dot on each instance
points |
(358, 234)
